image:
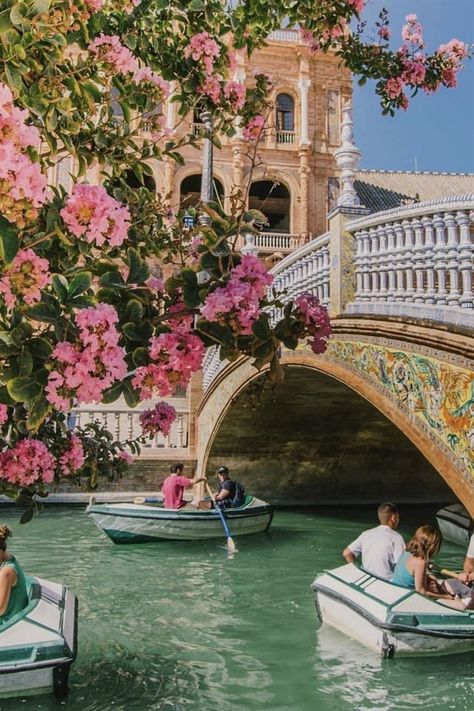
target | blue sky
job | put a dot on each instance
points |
(437, 131)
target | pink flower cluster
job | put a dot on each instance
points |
(358, 5)
(412, 32)
(236, 92)
(253, 130)
(384, 32)
(72, 459)
(202, 48)
(90, 212)
(211, 87)
(28, 462)
(145, 75)
(125, 457)
(83, 370)
(158, 419)
(452, 54)
(24, 278)
(175, 357)
(237, 304)
(3, 414)
(315, 320)
(116, 58)
(22, 185)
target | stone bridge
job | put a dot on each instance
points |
(388, 410)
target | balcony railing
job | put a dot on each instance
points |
(284, 35)
(285, 137)
(124, 424)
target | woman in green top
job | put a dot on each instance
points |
(13, 594)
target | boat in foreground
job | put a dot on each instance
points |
(144, 523)
(455, 524)
(39, 644)
(387, 618)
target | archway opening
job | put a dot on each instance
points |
(313, 440)
(190, 190)
(274, 200)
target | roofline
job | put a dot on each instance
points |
(374, 171)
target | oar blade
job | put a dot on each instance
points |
(231, 547)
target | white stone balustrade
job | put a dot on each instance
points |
(269, 242)
(417, 261)
(124, 424)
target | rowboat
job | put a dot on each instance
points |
(455, 524)
(39, 644)
(389, 619)
(144, 522)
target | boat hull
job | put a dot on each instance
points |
(142, 523)
(38, 646)
(455, 524)
(388, 619)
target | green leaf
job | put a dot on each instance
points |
(40, 6)
(261, 328)
(5, 21)
(26, 362)
(14, 79)
(112, 393)
(112, 279)
(139, 271)
(23, 389)
(47, 312)
(131, 395)
(22, 333)
(27, 515)
(40, 348)
(140, 356)
(9, 244)
(191, 296)
(5, 398)
(37, 413)
(140, 332)
(60, 286)
(134, 310)
(80, 283)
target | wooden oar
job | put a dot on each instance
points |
(433, 568)
(230, 543)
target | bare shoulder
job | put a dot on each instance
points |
(7, 573)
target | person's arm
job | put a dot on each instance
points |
(7, 581)
(348, 555)
(223, 494)
(468, 569)
(419, 569)
(198, 480)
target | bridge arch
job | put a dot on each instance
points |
(237, 377)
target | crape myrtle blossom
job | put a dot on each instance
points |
(175, 357)
(28, 462)
(204, 49)
(91, 213)
(315, 320)
(3, 414)
(84, 369)
(235, 92)
(125, 457)
(113, 55)
(24, 278)
(412, 31)
(158, 419)
(22, 184)
(253, 129)
(72, 459)
(237, 304)
(144, 75)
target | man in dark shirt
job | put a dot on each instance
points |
(226, 488)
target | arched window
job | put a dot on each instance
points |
(285, 113)
(133, 182)
(190, 190)
(274, 200)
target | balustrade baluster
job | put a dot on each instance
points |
(440, 259)
(452, 256)
(358, 261)
(408, 260)
(325, 277)
(429, 257)
(117, 425)
(399, 261)
(466, 259)
(392, 278)
(382, 263)
(374, 287)
(419, 260)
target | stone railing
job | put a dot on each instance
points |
(417, 261)
(277, 241)
(284, 35)
(285, 136)
(124, 424)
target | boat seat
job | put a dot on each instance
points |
(246, 502)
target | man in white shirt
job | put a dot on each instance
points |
(379, 547)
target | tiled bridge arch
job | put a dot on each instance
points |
(426, 391)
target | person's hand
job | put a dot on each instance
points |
(463, 577)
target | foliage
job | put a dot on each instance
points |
(83, 318)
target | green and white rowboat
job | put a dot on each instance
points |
(145, 523)
(387, 618)
(39, 644)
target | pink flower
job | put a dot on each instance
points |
(24, 278)
(235, 92)
(125, 457)
(109, 50)
(91, 213)
(358, 5)
(384, 32)
(28, 462)
(394, 87)
(412, 32)
(146, 76)
(203, 48)
(315, 320)
(72, 459)
(253, 130)
(158, 419)
(211, 87)
(3, 414)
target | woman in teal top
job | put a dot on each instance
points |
(411, 570)
(13, 592)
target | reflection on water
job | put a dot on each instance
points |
(183, 626)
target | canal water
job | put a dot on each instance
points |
(183, 627)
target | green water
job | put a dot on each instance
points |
(183, 627)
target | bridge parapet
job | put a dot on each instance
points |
(416, 261)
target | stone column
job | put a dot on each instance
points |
(304, 171)
(303, 86)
